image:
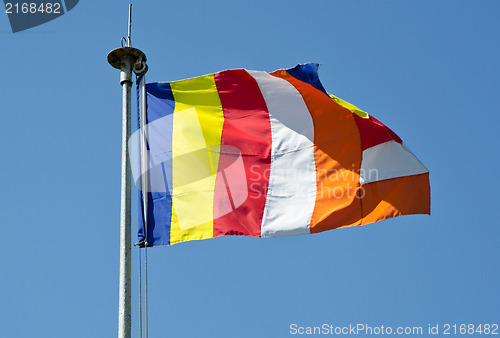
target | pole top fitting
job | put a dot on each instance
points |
(126, 58)
(119, 57)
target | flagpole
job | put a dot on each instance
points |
(126, 59)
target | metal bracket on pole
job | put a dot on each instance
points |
(126, 59)
(140, 67)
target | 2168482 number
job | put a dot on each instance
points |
(470, 329)
(32, 8)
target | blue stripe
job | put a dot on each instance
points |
(307, 73)
(160, 105)
(160, 100)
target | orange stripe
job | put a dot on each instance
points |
(337, 156)
(395, 197)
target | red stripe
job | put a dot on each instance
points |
(247, 128)
(374, 132)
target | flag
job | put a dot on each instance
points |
(260, 154)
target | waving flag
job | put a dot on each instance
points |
(269, 154)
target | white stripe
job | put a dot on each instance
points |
(291, 192)
(389, 160)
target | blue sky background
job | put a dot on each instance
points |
(428, 69)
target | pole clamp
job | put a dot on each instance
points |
(140, 67)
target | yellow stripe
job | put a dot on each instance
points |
(349, 106)
(197, 129)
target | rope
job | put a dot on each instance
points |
(145, 288)
(145, 186)
(140, 294)
(146, 283)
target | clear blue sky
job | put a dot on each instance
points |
(428, 69)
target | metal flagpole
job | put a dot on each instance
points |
(126, 59)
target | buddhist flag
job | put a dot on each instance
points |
(261, 154)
